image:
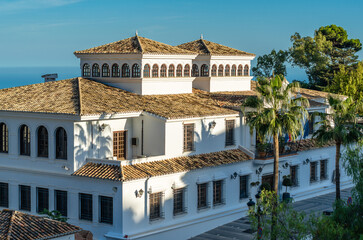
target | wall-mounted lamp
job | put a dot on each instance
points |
(259, 170)
(286, 165)
(102, 127)
(65, 168)
(212, 125)
(306, 161)
(234, 175)
(114, 189)
(139, 193)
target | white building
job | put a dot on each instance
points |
(148, 143)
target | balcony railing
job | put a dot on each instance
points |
(266, 150)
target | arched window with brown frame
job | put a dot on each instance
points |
(240, 70)
(233, 70)
(24, 140)
(125, 70)
(220, 70)
(86, 70)
(214, 70)
(146, 71)
(195, 70)
(227, 71)
(4, 138)
(246, 71)
(204, 70)
(95, 70)
(179, 70)
(115, 70)
(171, 71)
(105, 70)
(42, 135)
(163, 69)
(155, 71)
(60, 143)
(186, 70)
(136, 71)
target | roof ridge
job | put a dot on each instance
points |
(8, 237)
(79, 95)
(205, 45)
(103, 45)
(139, 42)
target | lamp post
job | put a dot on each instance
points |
(251, 207)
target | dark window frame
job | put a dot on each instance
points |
(227, 71)
(243, 186)
(195, 70)
(323, 169)
(189, 133)
(105, 70)
(246, 70)
(179, 201)
(85, 206)
(233, 70)
(43, 142)
(95, 70)
(155, 71)
(240, 70)
(163, 71)
(204, 70)
(179, 71)
(218, 192)
(230, 135)
(202, 196)
(146, 72)
(4, 138)
(136, 72)
(125, 70)
(186, 70)
(115, 70)
(313, 172)
(4, 194)
(171, 70)
(25, 198)
(156, 206)
(86, 70)
(294, 175)
(61, 202)
(25, 140)
(119, 141)
(42, 203)
(214, 71)
(106, 209)
(220, 70)
(61, 143)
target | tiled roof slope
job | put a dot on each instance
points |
(162, 167)
(15, 225)
(202, 46)
(80, 96)
(136, 44)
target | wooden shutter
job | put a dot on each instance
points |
(119, 144)
(188, 137)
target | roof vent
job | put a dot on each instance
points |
(50, 77)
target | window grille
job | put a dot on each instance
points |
(217, 192)
(156, 206)
(61, 143)
(85, 207)
(42, 142)
(187, 70)
(195, 70)
(246, 70)
(86, 70)
(243, 187)
(163, 70)
(188, 137)
(313, 171)
(214, 70)
(179, 70)
(233, 70)
(323, 169)
(146, 71)
(220, 70)
(125, 70)
(204, 70)
(230, 132)
(106, 209)
(119, 144)
(95, 70)
(115, 70)
(171, 71)
(61, 202)
(179, 201)
(42, 199)
(227, 71)
(136, 71)
(4, 138)
(155, 70)
(239, 71)
(25, 197)
(202, 195)
(24, 140)
(4, 195)
(105, 70)
(294, 176)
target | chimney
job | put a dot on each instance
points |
(50, 77)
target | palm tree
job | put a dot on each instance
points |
(276, 111)
(340, 126)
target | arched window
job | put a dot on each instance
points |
(115, 70)
(240, 70)
(61, 143)
(179, 70)
(125, 70)
(163, 70)
(24, 140)
(136, 70)
(220, 71)
(233, 70)
(187, 70)
(146, 71)
(105, 70)
(171, 71)
(214, 70)
(4, 138)
(95, 70)
(204, 70)
(246, 71)
(155, 70)
(42, 135)
(227, 71)
(86, 70)
(195, 70)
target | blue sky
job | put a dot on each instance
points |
(46, 32)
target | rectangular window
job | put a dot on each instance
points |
(85, 207)
(119, 144)
(155, 206)
(202, 195)
(179, 201)
(313, 175)
(61, 202)
(294, 176)
(229, 132)
(188, 137)
(25, 197)
(217, 192)
(106, 209)
(243, 187)
(42, 199)
(4, 195)
(323, 169)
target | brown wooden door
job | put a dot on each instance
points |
(119, 144)
(268, 179)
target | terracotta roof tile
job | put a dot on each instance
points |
(162, 167)
(202, 46)
(134, 45)
(15, 225)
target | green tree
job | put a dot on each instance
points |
(340, 126)
(349, 82)
(55, 215)
(324, 54)
(272, 63)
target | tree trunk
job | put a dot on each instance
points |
(276, 184)
(337, 171)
